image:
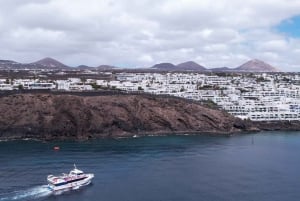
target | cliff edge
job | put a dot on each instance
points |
(48, 117)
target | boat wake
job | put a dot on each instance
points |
(59, 192)
(27, 194)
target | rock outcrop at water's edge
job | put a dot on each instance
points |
(278, 125)
(50, 117)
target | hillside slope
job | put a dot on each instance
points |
(46, 116)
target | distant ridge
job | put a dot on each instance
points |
(256, 65)
(101, 67)
(8, 62)
(186, 66)
(106, 67)
(50, 62)
(191, 65)
(164, 66)
(85, 67)
(222, 69)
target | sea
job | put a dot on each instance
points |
(247, 167)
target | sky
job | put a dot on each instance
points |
(141, 33)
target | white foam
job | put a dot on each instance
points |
(32, 193)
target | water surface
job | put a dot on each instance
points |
(261, 166)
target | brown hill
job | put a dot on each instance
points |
(46, 116)
(256, 65)
(106, 67)
(222, 69)
(186, 66)
(50, 63)
(85, 67)
(164, 66)
(8, 64)
(191, 66)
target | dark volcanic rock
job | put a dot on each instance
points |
(279, 125)
(46, 116)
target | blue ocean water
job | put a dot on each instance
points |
(264, 166)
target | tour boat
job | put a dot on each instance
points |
(73, 180)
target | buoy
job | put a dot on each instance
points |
(56, 148)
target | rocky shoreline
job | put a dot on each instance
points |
(45, 116)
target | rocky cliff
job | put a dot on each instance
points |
(48, 116)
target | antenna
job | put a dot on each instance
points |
(75, 166)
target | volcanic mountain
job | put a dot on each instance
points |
(190, 65)
(164, 66)
(256, 65)
(105, 67)
(186, 66)
(222, 69)
(51, 63)
(7, 64)
(85, 67)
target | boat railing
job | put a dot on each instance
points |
(50, 176)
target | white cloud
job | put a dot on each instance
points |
(216, 48)
(146, 59)
(274, 45)
(144, 32)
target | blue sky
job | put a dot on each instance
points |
(290, 27)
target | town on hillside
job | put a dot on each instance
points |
(259, 95)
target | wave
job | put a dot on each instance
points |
(28, 194)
